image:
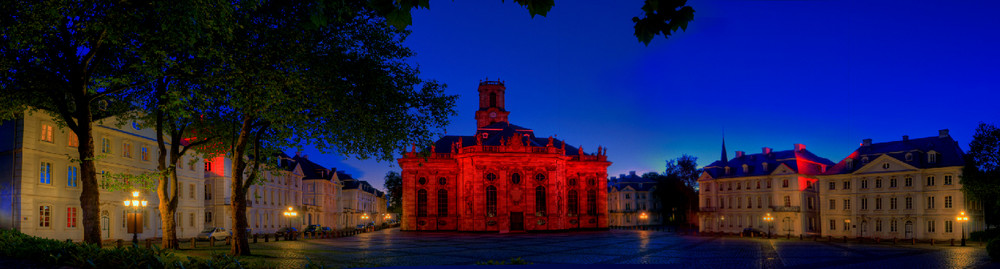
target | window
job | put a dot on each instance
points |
(930, 202)
(749, 203)
(930, 226)
(73, 140)
(442, 181)
(892, 203)
(571, 182)
(423, 180)
(442, 203)
(847, 225)
(850, 163)
(864, 203)
(44, 213)
(788, 201)
(930, 181)
(878, 225)
(493, 99)
(892, 225)
(190, 219)
(208, 191)
(592, 202)
(847, 184)
(71, 176)
(847, 204)
(833, 185)
(708, 201)
(811, 202)
(909, 202)
(864, 183)
(45, 174)
(758, 184)
(892, 182)
(758, 201)
(127, 149)
(144, 153)
(208, 166)
(784, 183)
(70, 217)
(932, 157)
(540, 177)
(208, 217)
(947, 180)
(833, 225)
(592, 181)
(491, 201)
(540, 200)
(909, 156)
(47, 134)
(515, 178)
(573, 203)
(947, 202)
(947, 226)
(833, 204)
(421, 203)
(739, 202)
(105, 145)
(191, 191)
(885, 165)
(908, 181)
(878, 182)
(878, 203)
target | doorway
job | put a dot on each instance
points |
(909, 229)
(516, 221)
(106, 227)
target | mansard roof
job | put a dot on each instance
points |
(637, 183)
(799, 161)
(312, 170)
(498, 131)
(359, 184)
(947, 149)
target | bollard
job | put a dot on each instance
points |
(254, 238)
(211, 241)
(119, 242)
(193, 244)
(267, 238)
(932, 242)
(913, 241)
(800, 236)
(845, 239)
(953, 242)
(149, 243)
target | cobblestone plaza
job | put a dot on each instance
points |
(399, 248)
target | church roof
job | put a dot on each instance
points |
(948, 150)
(800, 161)
(496, 132)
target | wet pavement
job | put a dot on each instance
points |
(397, 248)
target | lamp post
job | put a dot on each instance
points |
(643, 217)
(290, 214)
(364, 221)
(768, 218)
(722, 223)
(135, 204)
(847, 227)
(962, 219)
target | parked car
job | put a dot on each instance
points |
(326, 229)
(285, 230)
(312, 228)
(217, 232)
(753, 232)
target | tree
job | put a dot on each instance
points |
(394, 191)
(685, 168)
(342, 84)
(660, 17)
(981, 175)
(74, 59)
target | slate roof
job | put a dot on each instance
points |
(497, 131)
(312, 170)
(359, 184)
(948, 150)
(637, 183)
(811, 164)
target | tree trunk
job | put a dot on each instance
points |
(90, 197)
(168, 206)
(238, 204)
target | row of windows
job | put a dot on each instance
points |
(786, 201)
(491, 202)
(45, 174)
(907, 181)
(724, 186)
(893, 226)
(908, 202)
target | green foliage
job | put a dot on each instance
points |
(47, 251)
(984, 236)
(394, 191)
(993, 249)
(981, 175)
(512, 261)
(685, 168)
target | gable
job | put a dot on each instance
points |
(705, 176)
(884, 164)
(782, 169)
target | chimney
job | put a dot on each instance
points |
(766, 150)
(298, 153)
(739, 154)
(943, 133)
(866, 143)
(800, 147)
(906, 138)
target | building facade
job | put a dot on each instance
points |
(503, 178)
(631, 201)
(904, 189)
(360, 201)
(738, 193)
(321, 194)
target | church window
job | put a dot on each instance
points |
(491, 201)
(422, 181)
(540, 177)
(573, 203)
(493, 99)
(491, 176)
(591, 181)
(592, 202)
(421, 203)
(442, 203)
(515, 178)
(442, 181)
(540, 200)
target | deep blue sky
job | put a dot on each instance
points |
(826, 74)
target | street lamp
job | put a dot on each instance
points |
(364, 220)
(722, 223)
(769, 220)
(962, 219)
(290, 214)
(135, 204)
(643, 217)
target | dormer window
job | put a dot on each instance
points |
(764, 165)
(864, 160)
(727, 170)
(909, 157)
(850, 163)
(746, 169)
(932, 157)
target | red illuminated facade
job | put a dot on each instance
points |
(503, 179)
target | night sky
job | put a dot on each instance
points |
(826, 74)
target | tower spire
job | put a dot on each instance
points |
(725, 159)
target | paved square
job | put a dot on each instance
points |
(397, 248)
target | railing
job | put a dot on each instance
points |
(708, 209)
(786, 208)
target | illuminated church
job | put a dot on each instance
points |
(503, 179)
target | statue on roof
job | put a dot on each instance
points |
(550, 142)
(580, 150)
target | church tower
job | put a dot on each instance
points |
(491, 103)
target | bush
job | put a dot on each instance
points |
(984, 236)
(48, 251)
(993, 249)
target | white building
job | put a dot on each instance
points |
(630, 197)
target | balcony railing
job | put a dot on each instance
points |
(786, 208)
(708, 209)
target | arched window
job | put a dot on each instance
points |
(493, 99)
(491, 176)
(515, 178)
(572, 182)
(540, 177)
(540, 200)
(573, 203)
(421, 203)
(592, 202)
(591, 181)
(442, 203)
(442, 181)
(422, 181)
(491, 201)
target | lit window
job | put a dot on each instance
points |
(70, 217)
(73, 140)
(44, 213)
(127, 150)
(47, 135)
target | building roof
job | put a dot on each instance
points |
(798, 160)
(312, 170)
(947, 149)
(637, 182)
(497, 132)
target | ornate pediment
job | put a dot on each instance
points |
(884, 164)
